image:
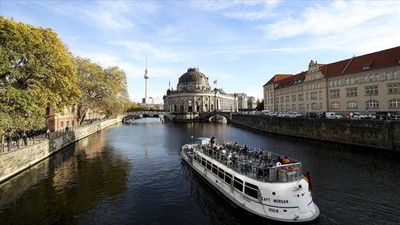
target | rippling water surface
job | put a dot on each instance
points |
(132, 174)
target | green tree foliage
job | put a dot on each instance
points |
(260, 105)
(103, 90)
(35, 71)
(133, 107)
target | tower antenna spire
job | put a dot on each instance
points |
(146, 77)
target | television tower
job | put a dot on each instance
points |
(146, 77)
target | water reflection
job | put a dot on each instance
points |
(132, 174)
(65, 186)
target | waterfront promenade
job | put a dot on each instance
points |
(18, 158)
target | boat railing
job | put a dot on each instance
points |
(253, 162)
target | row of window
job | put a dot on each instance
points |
(370, 104)
(249, 189)
(350, 92)
(366, 79)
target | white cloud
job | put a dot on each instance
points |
(336, 17)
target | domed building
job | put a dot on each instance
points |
(194, 95)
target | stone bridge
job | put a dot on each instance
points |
(144, 113)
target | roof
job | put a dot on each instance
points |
(277, 78)
(376, 60)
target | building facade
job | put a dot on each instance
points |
(194, 95)
(57, 121)
(367, 83)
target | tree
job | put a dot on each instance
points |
(103, 90)
(35, 72)
(260, 105)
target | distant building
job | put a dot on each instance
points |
(251, 103)
(366, 83)
(242, 101)
(194, 95)
(68, 117)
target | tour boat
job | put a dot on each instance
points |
(253, 180)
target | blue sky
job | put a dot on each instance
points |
(242, 44)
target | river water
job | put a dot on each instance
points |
(132, 174)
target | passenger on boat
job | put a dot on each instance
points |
(286, 160)
(278, 161)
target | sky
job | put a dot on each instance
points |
(241, 44)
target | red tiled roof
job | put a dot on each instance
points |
(277, 78)
(385, 58)
(376, 60)
(291, 80)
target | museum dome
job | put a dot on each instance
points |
(193, 80)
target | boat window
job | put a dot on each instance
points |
(203, 162)
(215, 169)
(221, 173)
(208, 165)
(238, 184)
(251, 190)
(198, 158)
(228, 178)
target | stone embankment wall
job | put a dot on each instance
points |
(16, 161)
(370, 133)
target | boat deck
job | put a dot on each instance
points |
(251, 162)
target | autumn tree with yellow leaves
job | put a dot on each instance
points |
(35, 71)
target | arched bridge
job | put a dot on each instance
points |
(144, 113)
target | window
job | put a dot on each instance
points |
(352, 80)
(307, 94)
(371, 78)
(300, 97)
(251, 190)
(61, 124)
(372, 104)
(293, 98)
(214, 169)
(228, 178)
(395, 76)
(373, 90)
(356, 80)
(335, 93)
(394, 103)
(320, 95)
(314, 95)
(301, 106)
(208, 165)
(288, 98)
(314, 106)
(335, 105)
(347, 81)
(352, 105)
(73, 123)
(394, 88)
(221, 173)
(203, 162)
(388, 76)
(238, 184)
(351, 92)
(294, 107)
(376, 77)
(365, 79)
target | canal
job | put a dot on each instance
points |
(132, 174)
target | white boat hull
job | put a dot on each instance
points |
(286, 202)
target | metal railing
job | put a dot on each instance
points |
(253, 162)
